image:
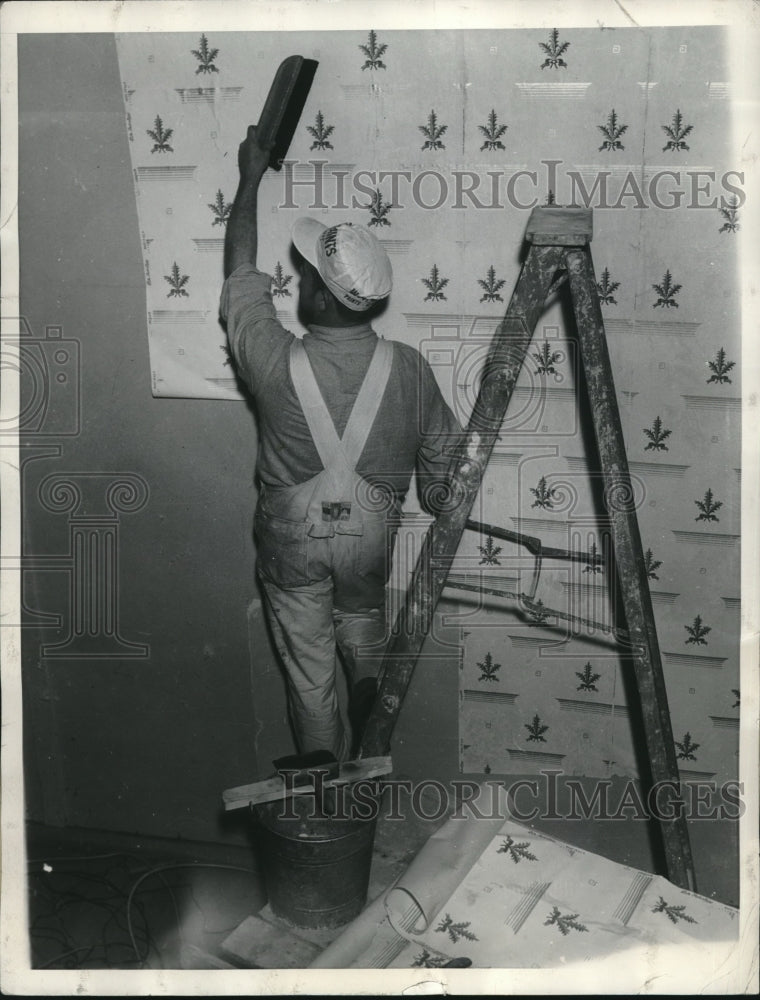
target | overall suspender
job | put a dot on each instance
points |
(334, 452)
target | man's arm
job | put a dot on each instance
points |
(256, 337)
(241, 240)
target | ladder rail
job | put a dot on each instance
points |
(629, 553)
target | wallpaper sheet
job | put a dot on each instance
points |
(527, 900)
(441, 142)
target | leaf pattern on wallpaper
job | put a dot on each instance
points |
(435, 285)
(320, 133)
(493, 132)
(554, 51)
(491, 286)
(433, 132)
(673, 913)
(720, 368)
(489, 553)
(280, 281)
(374, 51)
(565, 922)
(687, 748)
(612, 130)
(697, 632)
(677, 133)
(666, 292)
(545, 495)
(730, 213)
(221, 209)
(545, 360)
(606, 289)
(378, 210)
(587, 678)
(160, 136)
(455, 930)
(488, 669)
(708, 506)
(205, 57)
(177, 282)
(516, 851)
(536, 729)
(657, 435)
(651, 565)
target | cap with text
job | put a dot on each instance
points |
(350, 260)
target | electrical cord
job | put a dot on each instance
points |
(169, 867)
(72, 951)
(57, 900)
(54, 897)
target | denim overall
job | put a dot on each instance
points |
(324, 557)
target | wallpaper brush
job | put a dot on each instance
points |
(284, 104)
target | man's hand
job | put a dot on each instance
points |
(253, 159)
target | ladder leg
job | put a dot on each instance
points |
(502, 367)
(629, 557)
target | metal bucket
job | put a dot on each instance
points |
(316, 869)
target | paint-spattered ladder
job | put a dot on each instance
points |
(558, 251)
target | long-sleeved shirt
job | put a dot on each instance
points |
(414, 426)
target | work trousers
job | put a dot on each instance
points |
(324, 596)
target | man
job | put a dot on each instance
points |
(344, 417)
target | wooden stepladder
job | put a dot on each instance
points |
(559, 250)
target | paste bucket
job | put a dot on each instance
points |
(316, 869)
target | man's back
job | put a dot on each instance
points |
(413, 423)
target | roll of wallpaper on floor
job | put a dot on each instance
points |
(284, 104)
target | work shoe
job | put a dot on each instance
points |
(360, 703)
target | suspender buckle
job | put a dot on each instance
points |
(336, 510)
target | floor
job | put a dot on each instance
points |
(115, 909)
(98, 902)
(103, 901)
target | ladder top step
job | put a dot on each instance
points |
(552, 225)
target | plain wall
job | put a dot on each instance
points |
(145, 745)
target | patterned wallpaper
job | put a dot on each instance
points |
(441, 142)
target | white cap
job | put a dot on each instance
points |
(350, 259)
